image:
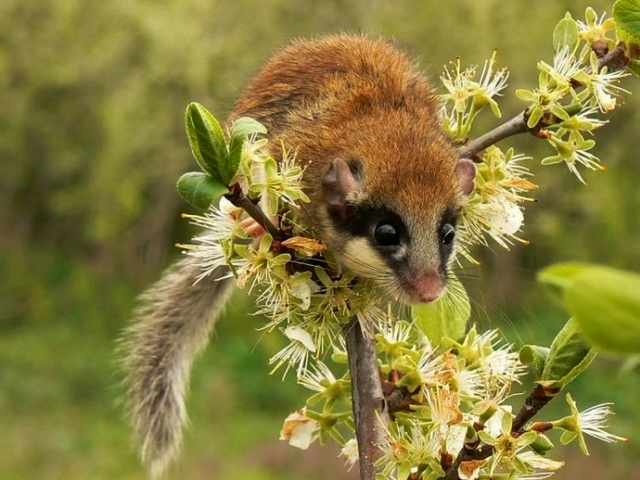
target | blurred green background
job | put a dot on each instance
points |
(92, 95)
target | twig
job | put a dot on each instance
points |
(369, 410)
(465, 455)
(517, 124)
(237, 197)
(532, 405)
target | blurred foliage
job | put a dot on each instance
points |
(91, 144)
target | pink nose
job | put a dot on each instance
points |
(426, 288)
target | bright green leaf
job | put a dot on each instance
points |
(245, 126)
(542, 444)
(569, 356)
(560, 276)
(606, 303)
(565, 33)
(446, 317)
(534, 355)
(207, 142)
(627, 16)
(199, 189)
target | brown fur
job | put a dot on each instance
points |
(357, 97)
(349, 97)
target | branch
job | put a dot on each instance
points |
(369, 410)
(614, 60)
(532, 405)
(237, 197)
(517, 124)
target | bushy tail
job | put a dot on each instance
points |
(171, 326)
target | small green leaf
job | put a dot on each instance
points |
(207, 142)
(525, 95)
(606, 303)
(535, 114)
(627, 16)
(569, 356)
(534, 355)
(199, 189)
(446, 317)
(542, 444)
(565, 33)
(245, 126)
(240, 130)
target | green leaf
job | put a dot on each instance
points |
(446, 317)
(245, 126)
(627, 16)
(534, 355)
(606, 303)
(199, 189)
(560, 276)
(207, 142)
(569, 356)
(542, 444)
(565, 33)
(240, 130)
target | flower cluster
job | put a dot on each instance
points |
(494, 208)
(572, 91)
(563, 109)
(466, 96)
(444, 399)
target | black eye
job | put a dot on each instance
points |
(448, 233)
(386, 235)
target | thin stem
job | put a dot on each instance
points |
(237, 197)
(369, 410)
(511, 127)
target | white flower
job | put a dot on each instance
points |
(318, 380)
(430, 367)
(504, 216)
(299, 429)
(396, 333)
(220, 224)
(602, 84)
(444, 405)
(492, 83)
(565, 67)
(539, 462)
(296, 353)
(591, 422)
(350, 453)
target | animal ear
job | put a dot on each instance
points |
(338, 184)
(466, 171)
